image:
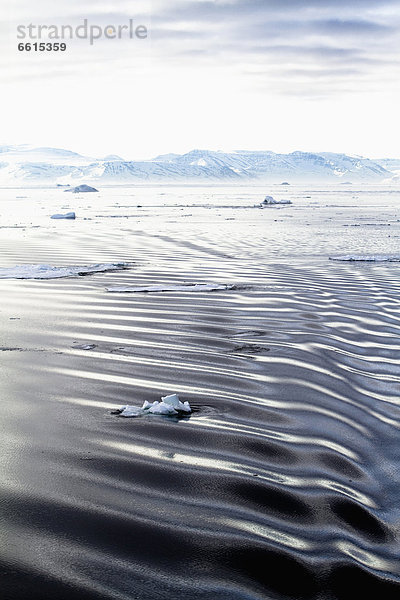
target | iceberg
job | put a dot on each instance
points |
(81, 188)
(186, 287)
(169, 405)
(70, 215)
(50, 272)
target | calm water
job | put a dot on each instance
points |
(284, 482)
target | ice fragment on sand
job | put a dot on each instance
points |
(70, 215)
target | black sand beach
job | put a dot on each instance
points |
(284, 481)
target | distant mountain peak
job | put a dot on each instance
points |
(113, 157)
(54, 165)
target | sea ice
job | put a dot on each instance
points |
(81, 188)
(85, 347)
(187, 287)
(70, 215)
(161, 408)
(131, 411)
(50, 272)
(367, 258)
(270, 201)
(169, 405)
(173, 400)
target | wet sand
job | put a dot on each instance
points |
(284, 481)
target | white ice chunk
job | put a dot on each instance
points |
(49, 272)
(146, 405)
(169, 405)
(81, 188)
(187, 287)
(161, 408)
(131, 411)
(173, 400)
(70, 215)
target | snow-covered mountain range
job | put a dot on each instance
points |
(29, 166)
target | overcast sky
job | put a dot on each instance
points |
(280, 75)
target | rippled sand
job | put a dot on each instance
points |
(284, 482)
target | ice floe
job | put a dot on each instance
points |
(187, 287)
(85, 346)
(69, 215)
(169, 405)
(250, 349)
(81, 188)
(270, 201)
(50, 272)
(367, 258)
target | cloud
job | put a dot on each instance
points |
(212, 59)
(209, 34)
(349, 40)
